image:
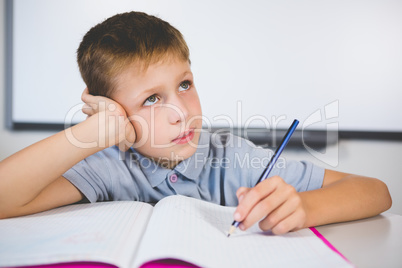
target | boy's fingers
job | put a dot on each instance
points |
(85, 94)
(284, 210)
(91, 99)
(263, 208)
(290, 223)
(252, 197)
(241, 192)
(100, 104)
(87, 109)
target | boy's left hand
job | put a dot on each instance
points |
(277, 204)
(122, 129)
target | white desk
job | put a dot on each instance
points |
(372, 242)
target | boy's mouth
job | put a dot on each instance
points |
(184, 137)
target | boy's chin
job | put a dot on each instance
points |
(182, 154)
(175, 158)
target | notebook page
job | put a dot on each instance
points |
(102, 232)
(196, 231)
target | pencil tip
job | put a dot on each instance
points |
(232, 228)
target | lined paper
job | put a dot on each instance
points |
(100, 232)
(196, 231)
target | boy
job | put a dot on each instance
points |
(141, 98)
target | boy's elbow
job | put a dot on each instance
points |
(388, 203)
(383, 193)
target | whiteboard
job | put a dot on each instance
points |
(256, 63)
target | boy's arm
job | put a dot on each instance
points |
(343, 197)
(31, 180)
(59, 193)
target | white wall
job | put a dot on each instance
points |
(11, 141)
(379, 159)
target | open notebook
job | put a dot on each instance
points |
(131, 234)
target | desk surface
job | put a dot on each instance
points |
(372, 242)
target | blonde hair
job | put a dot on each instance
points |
(110, 47)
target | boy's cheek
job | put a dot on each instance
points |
(195, 103)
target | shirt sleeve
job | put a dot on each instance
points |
(92, 177)
(303, 175)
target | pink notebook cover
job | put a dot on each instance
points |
(164, 263)
(171, 263)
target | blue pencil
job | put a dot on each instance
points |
(271, 163)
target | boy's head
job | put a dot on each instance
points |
(142, 63)
(113, 45)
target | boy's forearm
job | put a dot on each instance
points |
(25, 174)
(353, 197)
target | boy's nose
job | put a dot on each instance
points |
(177, 110)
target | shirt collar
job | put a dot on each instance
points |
(190, 168)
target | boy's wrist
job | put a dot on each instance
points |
(100, 131)
(311, 218)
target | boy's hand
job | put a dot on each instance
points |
(114, 126)
(275, 202)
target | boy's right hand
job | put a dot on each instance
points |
(114, 126)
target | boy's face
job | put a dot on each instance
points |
(164, 107)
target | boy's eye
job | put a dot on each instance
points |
(185, 85)
(151, 100)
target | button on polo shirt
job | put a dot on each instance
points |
(173, 178)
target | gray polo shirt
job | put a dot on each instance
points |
(221, 164)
